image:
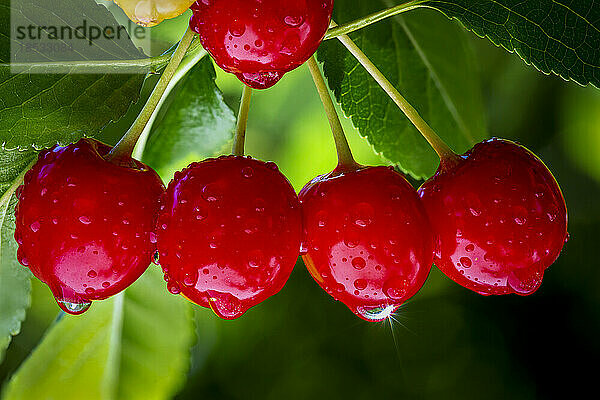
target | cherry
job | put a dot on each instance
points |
(368, 238)
(84, 225)
(150, 13)
(499, 217)
(260, 40)
(229, 233)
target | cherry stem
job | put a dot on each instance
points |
(242, 121)
(344, 153)
(446, 154)
(125, 147)
(345, 29)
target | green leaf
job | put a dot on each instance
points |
(195, 123)
(556, 36)
(430, 61)
(132, 346)
(39, 107)
(15, 287)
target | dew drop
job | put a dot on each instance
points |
(394, 293)
(74, 308)
(321, 218)
(35, 226)
(247, 172)
(272, 165)
(190, 279)
(303, 248)
(225, 306)
(525, 282)
(359, 263)
(237, 29)
(294, 21)
(466, 262)
(363, 214)
(475, 211)
(360, 284)
(375, 313)
(173, 288)
(255, 259)
(259, 205)
(209, 194)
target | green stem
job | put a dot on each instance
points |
(344, 153)
(441, 148)
(242, 122)
(125, 147)
(345, 29)
(151, 64)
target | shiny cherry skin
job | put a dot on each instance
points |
(229, 234)
(499, 217)
(368, 240)
(84, 225)
(260, 40)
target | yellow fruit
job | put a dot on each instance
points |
(152, 12)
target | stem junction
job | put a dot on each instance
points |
(124, 148)
(446, 154)
(337, 30)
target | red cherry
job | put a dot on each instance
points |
(499, 216)
(260, 40)
(229, 234)
(368, 239)
(84, 225)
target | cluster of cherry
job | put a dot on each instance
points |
(227, 231)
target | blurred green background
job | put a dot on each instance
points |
(446, 342)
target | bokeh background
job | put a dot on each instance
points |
(446, 342)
